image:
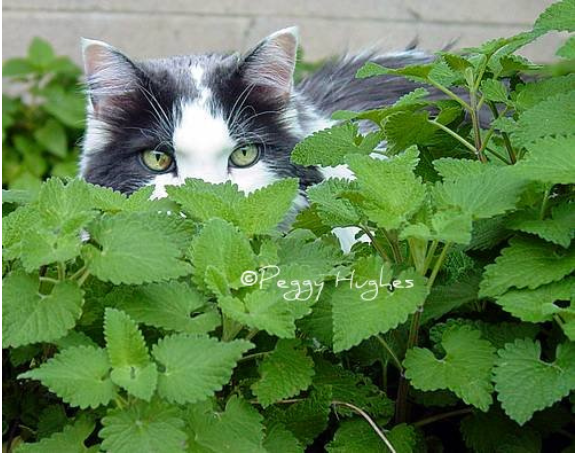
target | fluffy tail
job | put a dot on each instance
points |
(334, 86)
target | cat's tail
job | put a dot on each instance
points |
(335, 87)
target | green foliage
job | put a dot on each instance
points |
(43, 120)
(195, 324)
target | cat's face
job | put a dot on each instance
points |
(213, 117)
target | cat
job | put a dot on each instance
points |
(220, 117)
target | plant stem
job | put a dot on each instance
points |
(402, 408)
(545, 202)
(77, 274)
(430, 256)
(371, 422)
(505, 136)
(499, 156)
(61, 271)
(455, 136)
(83, 277)
(393, 241)
(476, 127)
(230, 328)
(438, 417)
(256, 355)
(377, 246)
(450, 94)
(390, 352)
(50, 280)
(251, 334)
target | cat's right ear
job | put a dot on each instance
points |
(110, 75)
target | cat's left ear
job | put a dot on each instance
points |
(269, 67)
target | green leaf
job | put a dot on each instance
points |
(17, 67)
(558, 16)
(333, 207)
(32, 317)
(238, 429)
(550, 160)
(79, 375)
(567, 49)
(262, 210)
(305, 419)
(216, 243)
(485, 194)
(134, 248)
(284, 373)
(391, 190)
(525, 383)
(526, 263)
(144, 427)
(70, 440)
(405, 128)
(353, 436)
(193, 368)
(557, 229)
(66, 106)
(259, 212)
(40, 52)
(128, 355)
(494, 90)
(329, 146)
(537, 305)
(365, 306)
(168, 305)
(465, 369)
(495, 432)
(446, 226)
(530, 94)
(275, 304)
(279, 439)
(553, 116)
(354, 388)
(53, 137)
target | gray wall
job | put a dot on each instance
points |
(147, 28)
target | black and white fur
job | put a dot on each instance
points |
(199, 108)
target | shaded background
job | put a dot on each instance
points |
(148, 28)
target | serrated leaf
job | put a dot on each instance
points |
(353, 436)
(526, 263)
(279, 439)
(465, 369)
(567, 49)
(357, 318)
(495, 432)
(305, 419)
(391, 190)
(559, 228)
(70, 440)
(284, 373)
(333, 207)
(484, 194)
(494, 90)
(262, 210)
(550, 160)
(238, 429)
(193, 368)
(214, 246)
(540, 384)
(537, 305)
(79, 375)
(559, 16)
(329, 146)
(134, 248)
(128, 355)
(40, 52)
(32, 317)
(405, 128)
(551, 117)
(259, 212)
(144, 427)
(353, 388)
(168, 305)
(528, 95)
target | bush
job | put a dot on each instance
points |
(451, 329)
(43, 118)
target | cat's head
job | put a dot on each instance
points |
(214, 117)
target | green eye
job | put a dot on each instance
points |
(157, 160)
(245, 156)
